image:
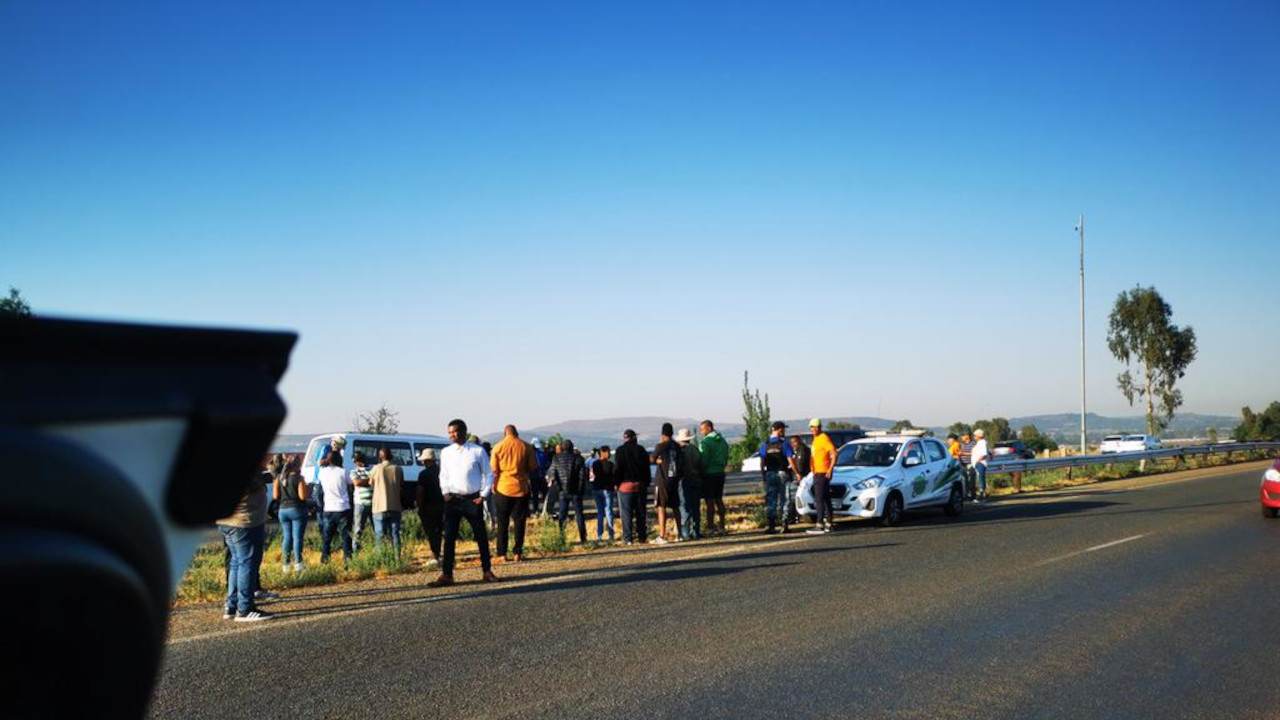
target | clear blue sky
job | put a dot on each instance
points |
(533, 212)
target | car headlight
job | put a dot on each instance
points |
(870, 483)
(1272, 475)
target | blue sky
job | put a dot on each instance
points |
(534, 212)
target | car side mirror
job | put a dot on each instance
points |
(911, 461)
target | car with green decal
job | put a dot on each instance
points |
(885, 475)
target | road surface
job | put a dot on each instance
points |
(1151, 598)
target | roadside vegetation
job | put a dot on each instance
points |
(205, 581)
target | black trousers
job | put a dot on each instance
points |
(822, 498)
(455, 511)
(510, 509)
(432, 517)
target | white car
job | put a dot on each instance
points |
(886, 475)
(1128, 443)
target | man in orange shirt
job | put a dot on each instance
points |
(513, 461)
(824, 463)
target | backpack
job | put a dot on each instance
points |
(674, 465)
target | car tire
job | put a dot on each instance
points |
(955, 504)
(1270, 512)
(893, 510)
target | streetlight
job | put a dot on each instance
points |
(1084, 448)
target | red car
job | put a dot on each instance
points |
(1270, 492)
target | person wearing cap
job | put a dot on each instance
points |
(775, 464)
(465, 482)
(824, 463)
(430, 503)
(513, 463)
(714, 451)
(978, 459)
(690, 487)
(631, 471)
(670, 461)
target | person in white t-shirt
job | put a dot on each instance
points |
(978, 461)
(335, 485)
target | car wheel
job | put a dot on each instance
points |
(892, 511)
(1270, 512)
(955, 505)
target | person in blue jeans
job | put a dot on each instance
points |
(290, 490)
(602, 487)
(243, 531)
(775, 464)
(690, 487)
(335, 485)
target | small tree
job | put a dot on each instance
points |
(382, 421)
(997, 429)
(14, 305)
(1141, 333)
(901, 425)
(960, 428)
(755, 415)
(841, 425)
(1036, 441)
(1255, 427)
(1212, 434)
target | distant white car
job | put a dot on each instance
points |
(886, 475)
(1128, 443)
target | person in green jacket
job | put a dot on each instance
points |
(715, 456)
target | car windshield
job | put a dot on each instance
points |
(1112, 438)
(868, 454)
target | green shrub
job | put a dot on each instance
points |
(551, 539)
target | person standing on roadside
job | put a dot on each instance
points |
(714, 450)
(690, 487)
(801, 466)
(386, 481)
(824, 463)
(290, 491)
(670, 461)
(335, 487)
(775, 470)
(966, 462)
(513, 463)
(978, 459)
(465, 482)
(953, 446)
(603, 486)
(361, 501)
(568, 475)
(538, 497)
(631, 469)
(242, 531)
(430, 503)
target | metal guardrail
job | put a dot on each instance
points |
(1012, 466)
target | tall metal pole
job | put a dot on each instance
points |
(1083, 437)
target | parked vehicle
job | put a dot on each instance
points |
(1128, 443)
(1269, 494)
(404, 452)
(1011, 450)
(888, 474)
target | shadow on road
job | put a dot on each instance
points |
(679, 569)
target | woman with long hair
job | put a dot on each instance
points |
(290, 491)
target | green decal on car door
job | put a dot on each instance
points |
(918, 485)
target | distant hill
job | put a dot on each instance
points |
(608, 431)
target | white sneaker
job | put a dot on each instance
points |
(813, 531)
(432, 563)
(228, 614)
(297, 568)
(254, 616)
(659, 540)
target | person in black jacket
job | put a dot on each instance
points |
(602, 486)
(568, 475)
(430, 503)
(631, 472)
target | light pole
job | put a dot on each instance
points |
(1084, 446)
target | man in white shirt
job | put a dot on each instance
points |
(978, 459)
(466, 482)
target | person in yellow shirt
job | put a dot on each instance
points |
(513, 460)
(824, 463)
(953, 446)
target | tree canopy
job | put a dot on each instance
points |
(1255, 427)
(382, 421)
(14, 305)
(1141, 333)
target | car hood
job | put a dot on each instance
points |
(858, 474)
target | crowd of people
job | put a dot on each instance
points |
(494, 489)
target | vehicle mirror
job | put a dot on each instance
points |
(911, 461)
(139, 438)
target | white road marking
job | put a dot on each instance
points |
(1095, 548)
(326, 614)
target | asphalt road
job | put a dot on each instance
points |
(1120, 601)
